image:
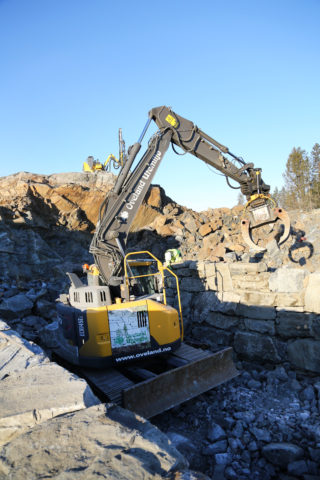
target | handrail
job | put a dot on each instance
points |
(161, 270)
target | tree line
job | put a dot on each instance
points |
(301, 188)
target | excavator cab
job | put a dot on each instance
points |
(103, 326)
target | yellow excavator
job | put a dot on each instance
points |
(117, 326)
(93, 165)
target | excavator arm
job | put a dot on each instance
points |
(120, 207)
(193, 140)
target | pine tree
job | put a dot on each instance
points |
(281, 197)
(315, 174)
(298, 180)
(276, 195)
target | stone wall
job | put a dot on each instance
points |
(268, 316)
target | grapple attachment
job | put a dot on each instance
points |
(261, 211)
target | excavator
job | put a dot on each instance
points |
(117, 326)
(93, 165)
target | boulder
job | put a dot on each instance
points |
(224, 280)
(305, 354)
(282, 453)
(153, 197)
(14, 306)
(16, 354)
(103, 441)
(190, 284)
(256, 298)
(32, 389)
(293, 324)
(205, 229)
(312, 297)
(219, 320)
(242, 268)
(287, 279)
(253, 346)
(255, 312)
(260, 326)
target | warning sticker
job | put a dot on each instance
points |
(129, 328)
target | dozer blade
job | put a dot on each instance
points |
(202, 371)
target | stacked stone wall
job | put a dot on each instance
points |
(269, 317)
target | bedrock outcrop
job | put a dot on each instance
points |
(53, 426)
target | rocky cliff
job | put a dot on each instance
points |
(47, 222)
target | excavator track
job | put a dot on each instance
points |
(190, 371)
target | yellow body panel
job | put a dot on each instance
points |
(170, 119)
(86, 167)
(163, 324)
(99, 343)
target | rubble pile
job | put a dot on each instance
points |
(263, 425)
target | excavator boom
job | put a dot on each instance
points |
(121, 205)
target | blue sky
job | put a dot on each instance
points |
(72, 72)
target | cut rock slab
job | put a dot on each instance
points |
(103, 441)
(16, 354)
(32, 389)
(282, 453)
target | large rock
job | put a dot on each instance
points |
(282, 453)
(312, 297)
(253, 346)
(190, 284)
(32, 389)
(293, 324)
(224, 280)
(290, 299)
(287, 279)
(305, 354)
(16, 354)
(98, 442)
(226, 302)
(256, 312)
(242, 268)
(15, 306)
(258, 299)
(219, 320)
(260, 326)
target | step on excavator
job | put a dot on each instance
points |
(117, 326)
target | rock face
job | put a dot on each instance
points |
(47, 222)
(52, 424)
(33, 389)
(99, 442)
